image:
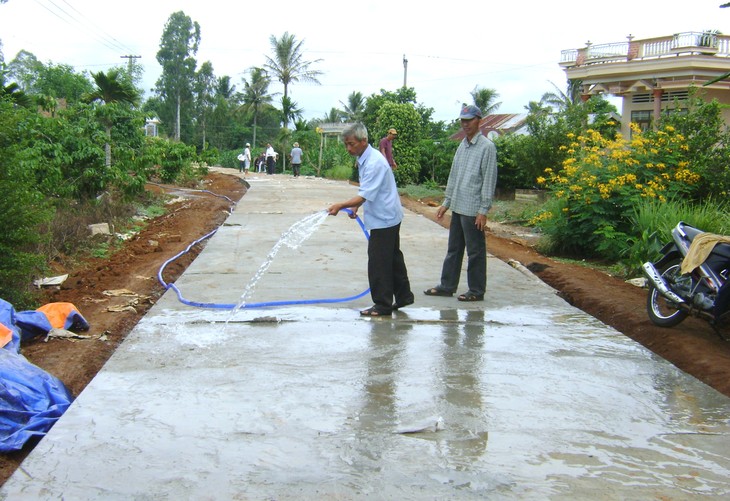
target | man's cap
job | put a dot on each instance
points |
(248, 144)
(469, 112)
(393, 131)
(296, 145)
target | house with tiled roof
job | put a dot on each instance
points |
(498, 124)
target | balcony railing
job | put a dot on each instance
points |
(687, 43)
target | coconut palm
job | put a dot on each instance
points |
(112, 89)
(288, 64)
(334, 116)
(354, 108)
(289, 111)
(256, 94)
(13, 93)
(560, 100)
(485, 99)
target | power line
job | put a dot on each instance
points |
(87, 27)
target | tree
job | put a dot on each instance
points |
(354, 108)
(111, 89)
(204, 91)
(224, 126)
(290, 110)
(256, 94)
(288, 64)
(60, 81)
(560, 100)
(13, 93)
(485, 99)
(178, 46)
(333, 116)
(25, 69)
(407, 121)
(403, 95)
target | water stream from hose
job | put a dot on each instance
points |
(293, 238)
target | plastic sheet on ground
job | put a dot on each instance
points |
(31, 400)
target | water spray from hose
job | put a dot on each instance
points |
(294, 237)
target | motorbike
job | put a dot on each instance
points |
(703, 291)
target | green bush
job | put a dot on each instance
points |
(406, 120)
(340, 172)
(25, 210)
(171, 159)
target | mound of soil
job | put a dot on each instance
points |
(114, 294)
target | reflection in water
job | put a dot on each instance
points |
(461, 366)
(387, 348)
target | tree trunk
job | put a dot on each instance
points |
(108, 148)
(177, 119)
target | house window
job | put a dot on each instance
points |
(642, 118)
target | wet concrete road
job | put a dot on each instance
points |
(519, 397)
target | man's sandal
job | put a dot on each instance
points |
(470, 296)
(435, 291)
(373, 312)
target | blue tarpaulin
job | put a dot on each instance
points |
(31, 400)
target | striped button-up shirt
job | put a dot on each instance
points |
(473, 177)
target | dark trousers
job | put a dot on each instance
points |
(269, 165)
(387, 271)
(295, 169)
(463, 234)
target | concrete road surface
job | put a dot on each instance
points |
(295, 396)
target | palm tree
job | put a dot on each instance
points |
(334, 116)
(355, 107)
(289, 111)
(560, 100)
(256, 94)
(485, 99)
(288, 65)
(13, 93)
(112, 88)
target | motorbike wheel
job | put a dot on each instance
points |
(662, 311)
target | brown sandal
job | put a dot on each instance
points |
(435, 291)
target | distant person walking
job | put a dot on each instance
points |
(469, 194)
(270, 159)
(247, 158)
(386, 147)
(378, 194)
(296, 159)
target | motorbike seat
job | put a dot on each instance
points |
(722, 250)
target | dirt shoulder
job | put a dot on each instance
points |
(96, 290)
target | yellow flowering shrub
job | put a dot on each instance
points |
(599, 182)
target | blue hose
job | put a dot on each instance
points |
(231, 306)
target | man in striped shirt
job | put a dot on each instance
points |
(469, 195)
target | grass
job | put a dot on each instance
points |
(513, 211)
(422, 191)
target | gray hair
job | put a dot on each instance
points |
(357, 131)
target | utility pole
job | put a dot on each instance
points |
(129, 63)
(405, 71)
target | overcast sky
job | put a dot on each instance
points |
(510, 46)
